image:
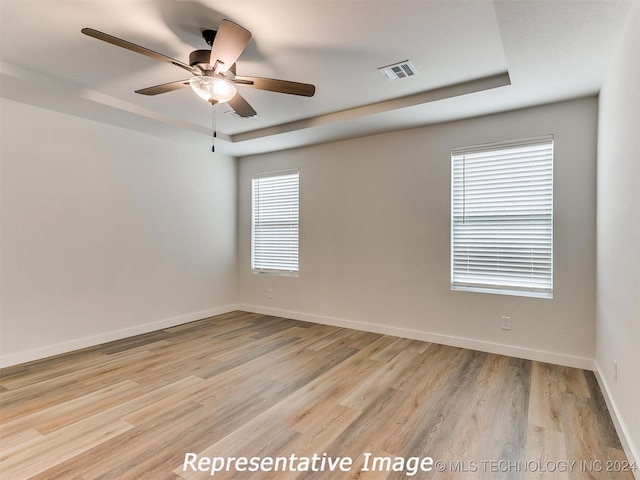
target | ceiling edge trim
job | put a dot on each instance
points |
(52, 92)
(463, 88)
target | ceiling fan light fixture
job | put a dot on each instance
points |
(213, 89)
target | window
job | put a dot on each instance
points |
(502, 218)
(274, 223)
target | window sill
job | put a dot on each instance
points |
(500, 291)
(276, 273)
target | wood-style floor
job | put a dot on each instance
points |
(248, 385)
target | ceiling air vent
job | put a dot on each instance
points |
(402, 69)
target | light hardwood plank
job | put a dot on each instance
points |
(244, 384)
(548, 448)
(545, 406)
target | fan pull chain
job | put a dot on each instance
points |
(213, 127)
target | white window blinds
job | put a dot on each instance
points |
(274, 228)
(502, 218)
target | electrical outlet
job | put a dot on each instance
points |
(506, 323)
(269, 293)
(615, 371)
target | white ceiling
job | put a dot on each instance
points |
(486, 56)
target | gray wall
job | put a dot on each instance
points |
(374, 247)
(618, 278)
(107, 232)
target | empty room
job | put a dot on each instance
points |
(319, 239)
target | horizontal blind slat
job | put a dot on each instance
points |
(275, 222)
(502, 216)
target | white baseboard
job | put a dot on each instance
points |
(500, 349)
(633, 455)
(76, 344)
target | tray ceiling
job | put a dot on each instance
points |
(474, 58)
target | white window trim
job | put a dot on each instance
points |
(276, 270)
(482, 283)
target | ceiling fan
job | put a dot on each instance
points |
(214, 71)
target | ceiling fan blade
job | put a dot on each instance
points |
(280, 86)
(164, 88)
(241, 106)
(231, 40)
(105, 37)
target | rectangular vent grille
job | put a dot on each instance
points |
(398, 70)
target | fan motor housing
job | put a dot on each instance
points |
(198, 57)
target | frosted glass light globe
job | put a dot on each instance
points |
(213, 88)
